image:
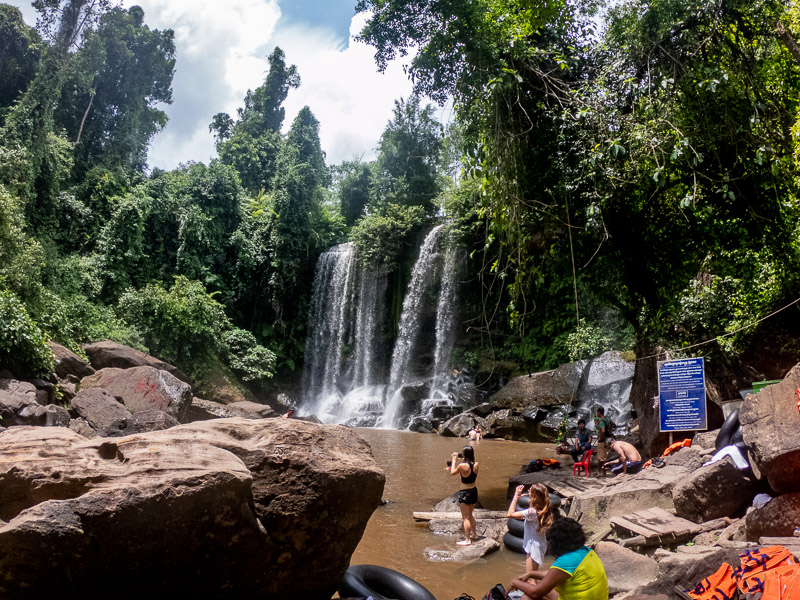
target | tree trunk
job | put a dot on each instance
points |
(83, 120)
(643, 391)
(786, 37)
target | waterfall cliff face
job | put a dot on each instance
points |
(345, 379)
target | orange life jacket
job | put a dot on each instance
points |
(551, 462)
(756, 563)
(718, 586)
(782, 583)
(676, 446)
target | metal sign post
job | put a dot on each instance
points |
(682, 395)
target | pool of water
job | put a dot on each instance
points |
(416, 480)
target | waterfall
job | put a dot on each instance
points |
(445, 325)
(423, 279)
(343, 356)
(328, 324)
(345, 377)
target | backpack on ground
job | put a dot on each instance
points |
(498, 592)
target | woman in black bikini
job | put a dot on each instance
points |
(468, 495)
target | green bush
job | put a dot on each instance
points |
(381, 238)
(253, 362)
(23, 346)
(182, 325)
(588, 341)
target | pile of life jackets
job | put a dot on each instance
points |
(770, 572)
(672, 448)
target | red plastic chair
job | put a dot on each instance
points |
(584, 464)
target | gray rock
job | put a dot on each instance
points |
(626, 494)
(469, 553)
(547, 388)
(108, 354)
(770, 422)
(67, 390)
(689, 458)
(145, 421)
(718, 490)
(687, 567)
(102, 412)
(43, 416)
(82, 428)
(779, 518)
(705, 440)
(491, 528)
(144, 388)
(68, 363)
(15, 395)
(251, 410)
(460, 424)
(626, 570)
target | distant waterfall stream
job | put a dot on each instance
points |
(347, 377)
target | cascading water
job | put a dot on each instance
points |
(345, 377)
(428, 273)
(346, 311)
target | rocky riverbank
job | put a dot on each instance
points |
(107, 485)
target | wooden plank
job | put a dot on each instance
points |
(478, 514)
(600, 536)
(778, 541)
(634, 526)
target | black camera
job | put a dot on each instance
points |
(460, 455)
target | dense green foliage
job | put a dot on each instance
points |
(631, 187)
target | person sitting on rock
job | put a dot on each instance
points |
(629, 461)
(582, 441)
(577, 572)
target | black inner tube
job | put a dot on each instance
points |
(381, 583)
(727, 431)
(513, 542)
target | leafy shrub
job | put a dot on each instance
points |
(253, 362)
(21, 257)
(381, 238)
(183, 325)
(588, 341)
(23, 346)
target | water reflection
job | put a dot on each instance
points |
(416, 480)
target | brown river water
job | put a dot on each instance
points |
(416, 480)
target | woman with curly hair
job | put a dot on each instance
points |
(576, 574)
(538, 518)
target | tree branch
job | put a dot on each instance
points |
(786, 37)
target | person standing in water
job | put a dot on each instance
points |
(538, 519)
(468, 495)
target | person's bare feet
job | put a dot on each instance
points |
(464, 543)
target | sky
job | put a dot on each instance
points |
(222, 48)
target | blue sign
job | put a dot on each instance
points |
(682, 395)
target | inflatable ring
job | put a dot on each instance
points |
(360, 581)
(516, 527)
(524, 502)
(737, 439)
(513, 542)
(727, 430)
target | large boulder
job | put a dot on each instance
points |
(102, 411)
(68, 363)
(144, 388)
(687, 567)
(202, 410)
(778, 518)
(625, 494)
(770, 423)
(19, 405)
(108, 354)
(15, 395)
(547, 388)
(718, 490)
(271, 508)
(459, 425)
(626, 570)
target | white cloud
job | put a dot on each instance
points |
(341, 85)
